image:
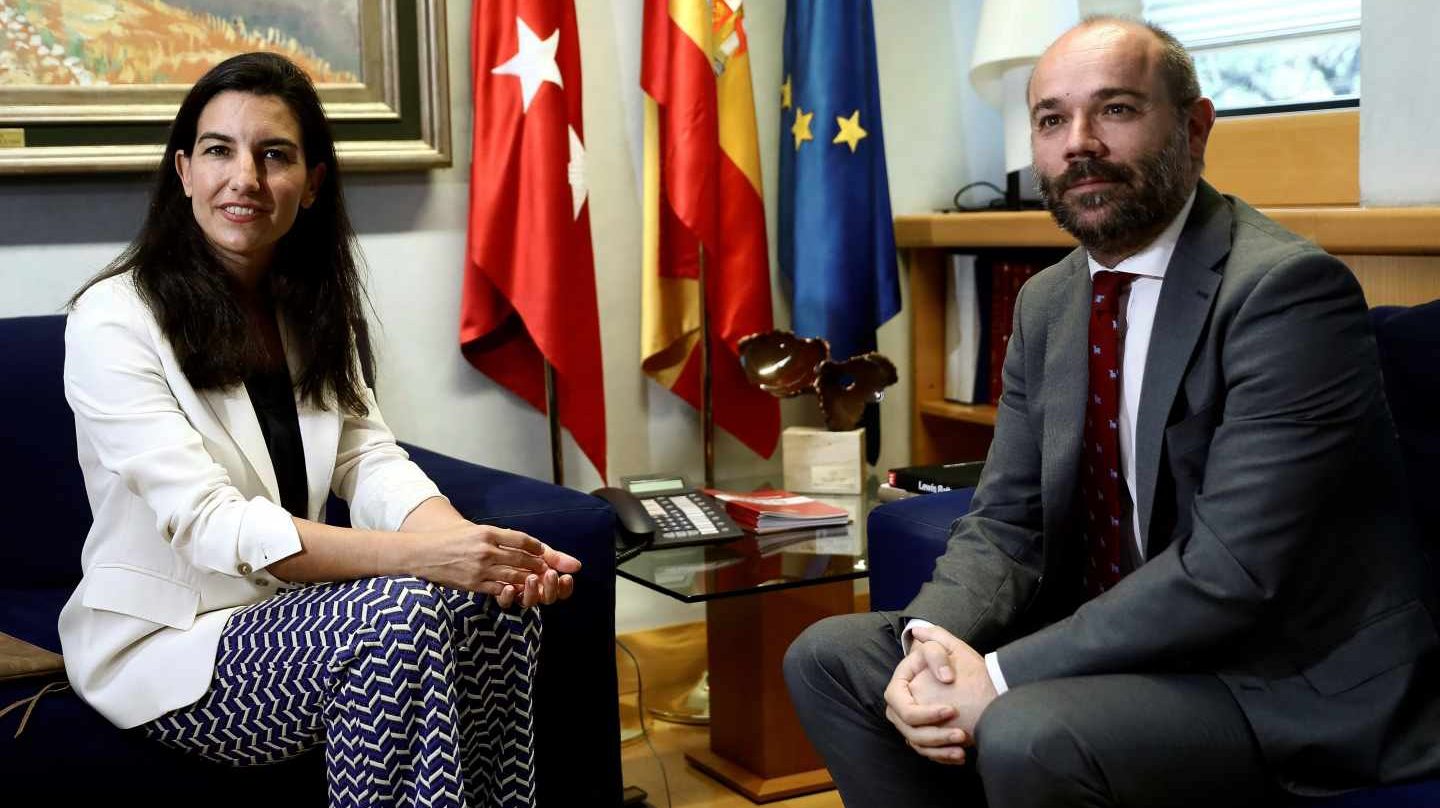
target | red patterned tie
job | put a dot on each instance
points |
(1100, 479)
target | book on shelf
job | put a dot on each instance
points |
(963, 330)
(936, 478)
(774, 510)
(980, 295)
(889, 493)
(1007, 275)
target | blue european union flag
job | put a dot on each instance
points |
(837, 240)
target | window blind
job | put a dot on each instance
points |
(1206, 23)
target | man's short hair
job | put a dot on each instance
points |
(1177, 69)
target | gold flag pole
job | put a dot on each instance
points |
(693, 706)
(707, 409)
(552, 415)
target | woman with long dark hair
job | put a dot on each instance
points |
(219, 373)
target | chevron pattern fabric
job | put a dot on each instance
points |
(421, 694)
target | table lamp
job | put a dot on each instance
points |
(1012, 35)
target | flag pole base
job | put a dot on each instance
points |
(693, 707)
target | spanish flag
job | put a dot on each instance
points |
(702, 190)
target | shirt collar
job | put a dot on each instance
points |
(1151, 261)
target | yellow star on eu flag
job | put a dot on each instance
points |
(850, 131)
(801, 128)
(785, 94)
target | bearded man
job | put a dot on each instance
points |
(1190, 575)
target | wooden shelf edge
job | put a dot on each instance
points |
(1340, 230)
(1023, 228)
(1378, 231)
(983, 414)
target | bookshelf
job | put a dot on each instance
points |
(1394, 252)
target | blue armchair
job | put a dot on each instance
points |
(69, 755)
(907, 536)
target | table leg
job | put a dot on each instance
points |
(757, 745)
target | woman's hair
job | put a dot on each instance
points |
(314, 279)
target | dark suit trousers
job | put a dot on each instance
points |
(1119, 740)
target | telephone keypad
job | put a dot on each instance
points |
(684, 516)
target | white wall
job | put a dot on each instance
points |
(1124, 8)
(1400, 75)
(56, 232)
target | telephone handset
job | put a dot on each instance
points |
(634, 529)
(675, 514)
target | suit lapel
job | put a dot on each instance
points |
(235, 412)
(1186, 298)
(319, 432)
(1067, 383)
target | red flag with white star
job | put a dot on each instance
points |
(529, 287)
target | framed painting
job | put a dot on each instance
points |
(92, 85)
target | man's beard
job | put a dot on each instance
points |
(1136, 211)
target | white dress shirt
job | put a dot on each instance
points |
(1144, 294)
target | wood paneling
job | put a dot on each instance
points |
(982, 414)
(1380, 231)
(1396, 280)
(1298, 158)
(1023, 228)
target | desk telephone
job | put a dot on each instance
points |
(667, 512)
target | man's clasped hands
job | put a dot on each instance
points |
(937, 694)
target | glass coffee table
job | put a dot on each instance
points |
(760, 592)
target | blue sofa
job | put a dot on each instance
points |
(69, 755)
(907, 536)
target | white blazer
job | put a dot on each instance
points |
(184, 502)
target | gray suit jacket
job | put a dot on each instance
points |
(1279, 549)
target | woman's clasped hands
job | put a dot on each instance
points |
(511, 566)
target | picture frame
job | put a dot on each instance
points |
(393, 116)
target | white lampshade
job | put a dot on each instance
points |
(1012, 35)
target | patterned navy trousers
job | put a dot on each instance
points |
(421, 694)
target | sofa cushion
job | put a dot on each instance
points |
(1409, 342)
(102, 765)
(905, 538)
(31, 614)
(106, 757)
(1425, 794)
(38, 432)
